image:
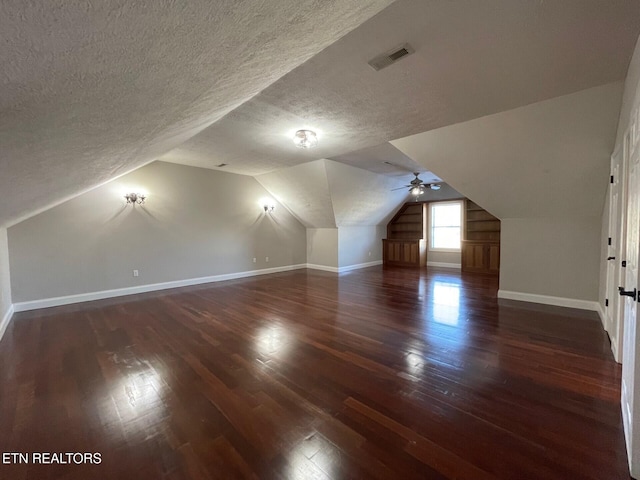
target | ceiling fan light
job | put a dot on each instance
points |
(305, 139)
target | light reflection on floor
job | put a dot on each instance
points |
(446, 302)
(415, 363)
(443, 314)
(314, 457)
(272, 340)
(137, 399)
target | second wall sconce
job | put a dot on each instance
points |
(135, 198)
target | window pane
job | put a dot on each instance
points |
(445, 225)
(446, 237)
(447, 215)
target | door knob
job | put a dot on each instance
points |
(611, 258)
(627, 293)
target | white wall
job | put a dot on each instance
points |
(450, 258)
(557, 257)
(328, 194)
(537, 166)
(630, 95)
(195, 223)
(358, 245)
(548, 159)
(322, 247)
(5, 284)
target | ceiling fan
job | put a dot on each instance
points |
(417, 187)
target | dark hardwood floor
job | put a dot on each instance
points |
(379, 373)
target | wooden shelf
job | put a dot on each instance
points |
(411, 220)
(406, 243)
(481, 244)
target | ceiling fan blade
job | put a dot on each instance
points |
(400, 188)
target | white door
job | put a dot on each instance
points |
(631, 417)
(618, 308)
(612, 317)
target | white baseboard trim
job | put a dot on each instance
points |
(324, 268)
(120, 292)
(4, 323)
(614, 350)
(457, 266)
(344, 269)
(357, 266)
(549, 300)
(602, 315)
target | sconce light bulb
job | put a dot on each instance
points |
(135, 198)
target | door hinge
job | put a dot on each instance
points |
(611, 179)
(606, 302)
(624, 263)
(609, 241)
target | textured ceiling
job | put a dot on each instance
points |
(92, 90)
(304, 190)
(550, 159)
(471, 59)
(326, 194)
(387, 160)
(361, 197)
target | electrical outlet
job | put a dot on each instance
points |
(135, 273)
(254, 259)
(266, 259)
(369, 253)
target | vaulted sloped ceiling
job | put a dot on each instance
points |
(304, 190)
(328, 194)
(472, 58)
(92, 90)
(549, 159)
(360, 197)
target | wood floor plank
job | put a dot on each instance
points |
(379, 373)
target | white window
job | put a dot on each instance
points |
(445, 226)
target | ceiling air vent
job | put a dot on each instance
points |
(392, 56)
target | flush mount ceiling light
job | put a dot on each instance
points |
(305, 139)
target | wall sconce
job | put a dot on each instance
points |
(269, 208)
(135, 198)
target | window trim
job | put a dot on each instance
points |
(430, 226)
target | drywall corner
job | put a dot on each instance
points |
(6, 306)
